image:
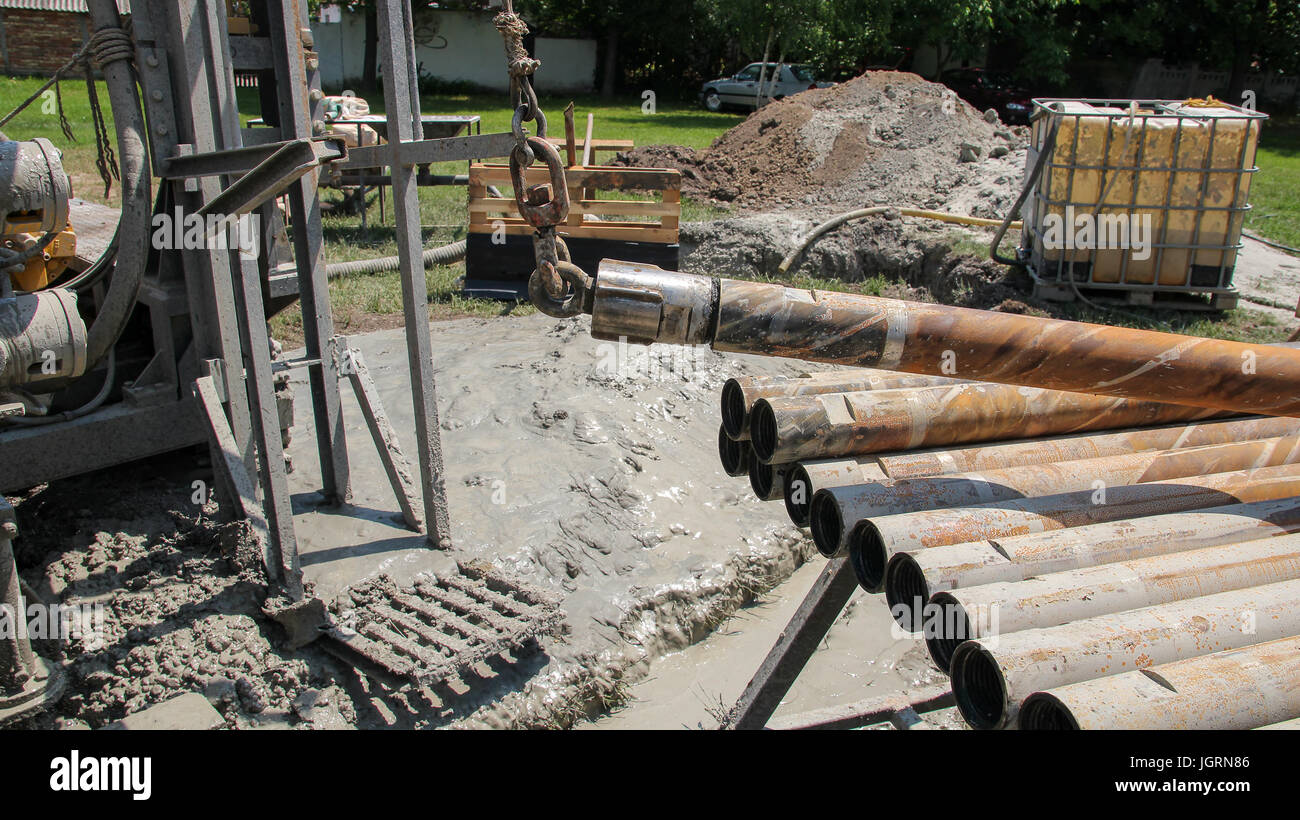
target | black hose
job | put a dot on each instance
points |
(1030, 181)
(113, 50)
(110, 375)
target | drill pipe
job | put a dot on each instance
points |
(811, 476)
(793, 428)
(646, 304)
(1060, 597)
(1292, 725)
(872, 542)
(807, 477)
(837, 509)
(740, 393)
(991, 676)
(1069, 448)
(922, 573)
(766, 480)
(733, 454)
(1239, 689)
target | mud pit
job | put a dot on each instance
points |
(582, 467)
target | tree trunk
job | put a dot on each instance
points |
(609, 81)
(762, 72)
(371, 56)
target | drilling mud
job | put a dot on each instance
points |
(585, 469)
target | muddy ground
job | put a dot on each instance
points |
(581, 467)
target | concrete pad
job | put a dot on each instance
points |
(188, 712)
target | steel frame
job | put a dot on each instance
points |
(211, 377)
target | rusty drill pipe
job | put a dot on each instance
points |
(923, 573)
(992, 676)
(795, 428)
(1293, 724)
(810, 476)
(872, 542)
(1244, 688)
(740, 393)
(807, 477)
(645, 304)
(733, 454)
(766, 479)
(1070, 448)
(835, 510)
(1061, 597)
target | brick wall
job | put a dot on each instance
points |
(40, 42)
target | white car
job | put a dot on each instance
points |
(741, 90)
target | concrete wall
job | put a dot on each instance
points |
(457, 46)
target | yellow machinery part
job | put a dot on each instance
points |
(45, 268)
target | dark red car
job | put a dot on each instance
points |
(991, 89)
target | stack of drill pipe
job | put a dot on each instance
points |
(873, 541)
(958, 615)
(806, 478)
(992, 676)
(914, 574)
(1238, 689)
(836, 510)
(740, 393)
(738, 397)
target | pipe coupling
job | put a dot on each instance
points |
(645, 304)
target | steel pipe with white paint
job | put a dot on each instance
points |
(992, 676)
(805, 478)
(922, 573)
(872, 542)
(958, 615)
(1244, 688)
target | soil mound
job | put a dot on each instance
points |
(886, 137)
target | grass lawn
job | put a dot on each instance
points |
(363, 303)
(1275, 191)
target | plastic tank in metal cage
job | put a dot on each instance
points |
(1138, 197)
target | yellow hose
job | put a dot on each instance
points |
(835, 222)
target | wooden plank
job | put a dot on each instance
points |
(622, 207)
(595, 176)
(622, 231)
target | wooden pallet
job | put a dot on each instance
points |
(1168, 300)
(658, 215)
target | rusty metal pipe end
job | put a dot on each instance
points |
(734, 412)
(1044, 712)
(868, 555)
(947, 627)
(734, 455)
(906, 591)
(978, 686)
(763, 433)
(826, 522)
(798, 500)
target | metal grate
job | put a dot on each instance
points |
(441, 625)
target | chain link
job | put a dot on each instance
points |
(557, 287)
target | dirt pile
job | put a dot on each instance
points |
(886, 137)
